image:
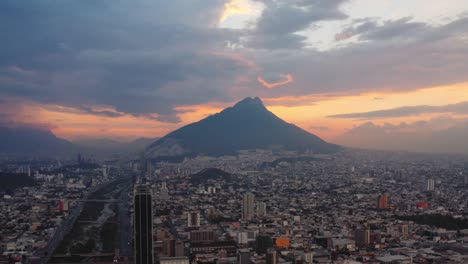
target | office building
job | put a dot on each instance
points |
(243, 256)
(382, 201)
(362, 237)
(164, 192)
(174, 260)
(248, 206)
(271, 256)
(430, 187)
(261, 209)
(404, 230)
(202, 235)
(262, 244)
(143, 225)
(193, 219)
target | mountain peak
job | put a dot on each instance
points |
(246, 125)
(250, 102)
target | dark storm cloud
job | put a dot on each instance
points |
(459, 108)
(136, 56)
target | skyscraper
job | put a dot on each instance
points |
(261, 209)
(404, 230)
(143, 224)
(362, 237)
(164, 192)
(248, 206)
(243, 256)
(271, 256)
(382, 201)
(430, 185)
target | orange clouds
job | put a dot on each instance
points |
(289, 79)
(311, 112)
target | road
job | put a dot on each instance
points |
(43, 255)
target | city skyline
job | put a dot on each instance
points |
(334, 68)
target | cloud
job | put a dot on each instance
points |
(282, 19)
(289, 79)
(436, 56)
(142, 60)
(235, 7)
(441, 135)
(320, 128)
(458, 108)
(370, 29)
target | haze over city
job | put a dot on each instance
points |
(234, 132)
(121, 70)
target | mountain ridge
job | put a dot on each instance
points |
(28, 140)
(246, 125)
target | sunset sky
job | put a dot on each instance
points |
(127, 69)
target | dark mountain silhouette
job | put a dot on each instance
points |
(25, 140)
(108, 148)
(246, 125)
(207, 174)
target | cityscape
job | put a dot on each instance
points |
(234, 132)
(257, 207)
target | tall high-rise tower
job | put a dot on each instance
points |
(143, 224)
(430, 185)
(248, 206)
(261, 209)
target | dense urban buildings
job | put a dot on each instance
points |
(256, 207)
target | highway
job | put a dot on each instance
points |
(42, 256)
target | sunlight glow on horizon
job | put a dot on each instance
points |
(308, 112)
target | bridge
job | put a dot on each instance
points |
(95, 222)
(84, 255)
(86, 200)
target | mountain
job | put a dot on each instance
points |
(207, 174)
(25, 141)
(140, 144)
(106, 148)
(246, 125)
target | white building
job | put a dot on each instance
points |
(248, 206)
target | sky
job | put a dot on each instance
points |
(354, 72)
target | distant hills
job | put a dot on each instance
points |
(207, 174)
(111, 148)
(37, 141)
(246, 125)
(24, 140)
